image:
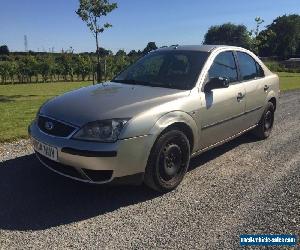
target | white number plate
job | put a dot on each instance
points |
(44, 149)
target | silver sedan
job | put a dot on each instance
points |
(146, 123)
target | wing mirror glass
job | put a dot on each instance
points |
(216, 83)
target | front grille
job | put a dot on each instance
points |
(57, 129)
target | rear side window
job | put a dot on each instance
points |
(249, 68)
(224, 66)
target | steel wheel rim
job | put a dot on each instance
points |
(172, 160)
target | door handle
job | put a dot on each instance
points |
(240, 96)
(266, 87)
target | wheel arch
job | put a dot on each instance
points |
(180, 120)
(271, 97)
(183, 127)
(273, 101)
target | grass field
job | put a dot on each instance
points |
(289, 81)
(19, 103)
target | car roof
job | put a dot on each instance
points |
(204, 48)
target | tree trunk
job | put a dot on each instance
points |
(105, 70)
(99, 77)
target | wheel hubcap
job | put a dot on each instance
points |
(172, 159)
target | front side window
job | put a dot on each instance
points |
(249, 68)
(170, 69)
(224, 66)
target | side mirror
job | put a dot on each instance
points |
(216, 83)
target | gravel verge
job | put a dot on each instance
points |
(244, 186)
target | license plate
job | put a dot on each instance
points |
(44, 149)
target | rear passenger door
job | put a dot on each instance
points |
(252, 77)
(223, 108)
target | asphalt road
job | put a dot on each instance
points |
(244, 186)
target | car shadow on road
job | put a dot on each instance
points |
(220, 150)
(34, 198)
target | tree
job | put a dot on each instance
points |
(256, 42)
(30, 67)
(92, 12)
(4, 70)
(258, 21)
(133, 53)
(46, 67)
(281, 38)
(103, 52)
(121, 52)
(150, 46)
(65, 61)
(12, 70)
(83, 66)
(228, 34)
(4, 50)
(264, 42)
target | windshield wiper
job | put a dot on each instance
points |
(130, 81)
(122, 81)
(137, 82)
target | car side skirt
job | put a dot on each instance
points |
(222, 141)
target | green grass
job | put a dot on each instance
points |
(289, 81)
(19, 103)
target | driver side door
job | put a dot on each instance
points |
(222, 108)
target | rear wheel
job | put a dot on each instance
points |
(265, 125)
(168, 161)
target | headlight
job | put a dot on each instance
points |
(104, 131)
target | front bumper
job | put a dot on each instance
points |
(96, 162)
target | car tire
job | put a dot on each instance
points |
(265, 125)
(168, 161)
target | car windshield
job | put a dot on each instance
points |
(169, 69)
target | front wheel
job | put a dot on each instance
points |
(265, 125)
(168, 161)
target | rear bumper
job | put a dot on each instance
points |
(95, 162)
